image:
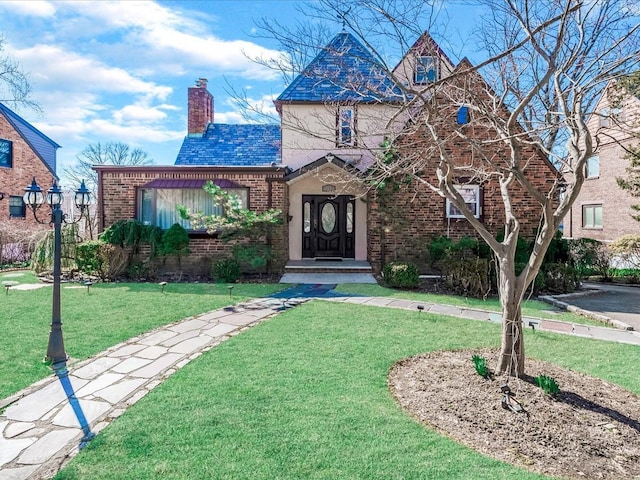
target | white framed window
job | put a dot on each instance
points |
(592, 216)
(157, 206)
(471, 196)
(427, 70)
(592, 168)
(346, 123)
(609, 116)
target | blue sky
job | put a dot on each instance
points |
(119, 71)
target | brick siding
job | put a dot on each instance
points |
(26, 166)
(119, 188)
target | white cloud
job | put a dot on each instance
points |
(35, 8)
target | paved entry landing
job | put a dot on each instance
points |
(308, 290)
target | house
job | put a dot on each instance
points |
(25, 153)
(334, 118)
(602, 210)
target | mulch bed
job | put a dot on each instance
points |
(590, 430)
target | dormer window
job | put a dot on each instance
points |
(6, 157)
(346, 123)
(426, 69)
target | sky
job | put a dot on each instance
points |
(119, 71)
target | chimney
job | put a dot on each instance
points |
(200, 108)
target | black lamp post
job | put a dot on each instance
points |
(34, 198)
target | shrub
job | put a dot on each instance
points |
(88, 257)
(468, 276)
(589, 257)
(253, 256)
(547, 384)
(104, 260)
(559, 278)
(480, 364)
(175, 241)
(401, 275)
(627, 248)
(226, 270)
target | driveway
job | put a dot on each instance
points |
(618, 302)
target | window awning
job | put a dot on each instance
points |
(189, 183)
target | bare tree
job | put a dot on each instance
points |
(111, 153)
(15, 88)
(547, 63)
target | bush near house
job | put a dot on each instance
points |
(468, 268)
(401, 275)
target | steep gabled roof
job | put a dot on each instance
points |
(233, 145)
(343, 71)
(42, 146)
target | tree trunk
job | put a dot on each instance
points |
(512, 344)
(512, 340)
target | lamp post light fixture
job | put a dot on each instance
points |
(34, 198)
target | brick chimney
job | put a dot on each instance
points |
(200, 103)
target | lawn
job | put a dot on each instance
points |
(530, 308)
(96, 320)
(304, 396)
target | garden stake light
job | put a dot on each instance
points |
(162, 285)
(230, 287)
(88, 285)
(34, 198)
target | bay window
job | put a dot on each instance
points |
(158, 199)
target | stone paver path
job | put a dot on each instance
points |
(39, 432)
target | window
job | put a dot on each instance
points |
(592, 216)
(610, 116)
(464, 116)
(157, 206)
(346, 127)
(17, 207)
(471, 196)
(6, 154)
(426, 70)
(592, 169)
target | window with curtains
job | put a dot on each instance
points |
(157, 206)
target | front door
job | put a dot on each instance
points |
(328, 227)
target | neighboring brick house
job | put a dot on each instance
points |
(25, 153)
(602, 210)
(333, 118)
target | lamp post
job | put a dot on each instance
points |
(34, 198)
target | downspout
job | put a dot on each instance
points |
(100, 204)
(269, 205)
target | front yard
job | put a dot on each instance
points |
(304, 395)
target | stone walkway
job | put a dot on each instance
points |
(39, 431)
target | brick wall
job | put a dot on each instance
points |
(119, 186)
(26, 166)
(414, 214)
(603, 189)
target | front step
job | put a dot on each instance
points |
(327, 272)
(325, 265)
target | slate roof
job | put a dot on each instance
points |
(43, 146)
(344, 71)
(248, 145)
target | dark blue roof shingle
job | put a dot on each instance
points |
(43, 146)
(344, 71)
(248, 145)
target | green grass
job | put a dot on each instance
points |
(95, 321)
(304, 396)
(530, 308)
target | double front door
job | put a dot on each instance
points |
(328, 227)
